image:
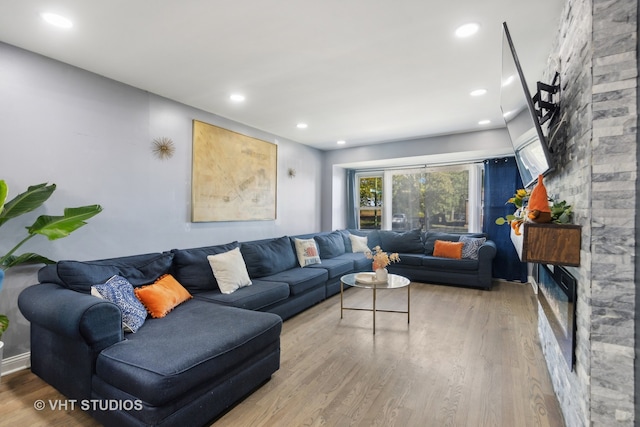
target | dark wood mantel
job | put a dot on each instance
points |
(557, 244)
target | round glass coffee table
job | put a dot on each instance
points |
(366, 280)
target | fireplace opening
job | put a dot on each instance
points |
(557, 296)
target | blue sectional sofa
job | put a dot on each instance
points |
(213, 348)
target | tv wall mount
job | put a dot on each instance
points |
(543, 100)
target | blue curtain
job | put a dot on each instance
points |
(501, 180)
(352, 220)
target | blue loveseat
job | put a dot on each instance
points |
(211, 350)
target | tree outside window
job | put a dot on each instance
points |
(370, 209)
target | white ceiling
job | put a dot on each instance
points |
(364, 71)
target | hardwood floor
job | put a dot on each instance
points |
(468, 358)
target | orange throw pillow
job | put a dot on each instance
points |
(447, 249)
(163, 296)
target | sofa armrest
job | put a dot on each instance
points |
(72, 314)
(486, 254)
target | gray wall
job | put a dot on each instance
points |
(596, 173)
(92, 137)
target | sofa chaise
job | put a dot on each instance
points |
(207, 349)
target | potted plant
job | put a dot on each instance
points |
(53, 227)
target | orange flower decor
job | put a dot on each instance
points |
(381, 259)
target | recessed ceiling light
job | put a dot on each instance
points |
(467, 30)
(341, 142)
(302, 125)
(484, 122)
(236, 97)
(56, 20)
(478, 92)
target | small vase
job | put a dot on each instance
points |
(382, 275)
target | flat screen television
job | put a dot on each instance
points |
(529, 143)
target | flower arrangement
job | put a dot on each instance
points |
(381, 259)
(519, 199)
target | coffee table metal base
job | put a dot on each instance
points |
(395, 282)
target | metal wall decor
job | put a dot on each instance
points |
(163, 147)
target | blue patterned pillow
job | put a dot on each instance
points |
(119, 291)
(471, 246)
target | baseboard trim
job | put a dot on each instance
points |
(16, 363)
(534, 284)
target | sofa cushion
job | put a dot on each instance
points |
(267, 257)
(471, 246)
(449, 264)
(168, 357)
(255, 297)
(446, 249)
(192, 269)
(300, 279)
(359, 243)
(306, 251)
(330, 245)
(411, 259)
(336, 267)
(373, 238)
(229, 270)
(347, 242)
(360, 262)
(431, 237)
(409, 242)
(119, 291)
(81, 275)
(162, 296)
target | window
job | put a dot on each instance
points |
(370, 206)
(447, 199)
(408, 199)
(442, 198)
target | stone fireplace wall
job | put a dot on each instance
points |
(594, 148)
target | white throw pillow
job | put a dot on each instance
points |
(358, 243)
(307, 252)
(229, 270)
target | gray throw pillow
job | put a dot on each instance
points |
(471, 246)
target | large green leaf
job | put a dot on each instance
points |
(56, 227)
(4, 190)
(25, 202)
(26, 258)
(4, 324)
